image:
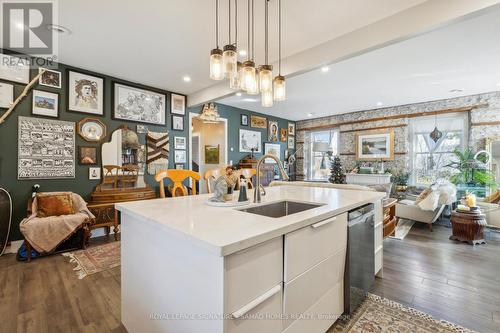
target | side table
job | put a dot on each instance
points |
(468, 226)
(390, 219)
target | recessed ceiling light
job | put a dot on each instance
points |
(456, 90)
(58, 28)
(310, 114)
(186, 78)
(380, 103)
(242, 53)
(325, 69)
(238, 94)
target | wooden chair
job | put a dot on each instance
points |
(177, 177)
(110, 175)
(212, 174)
(248, 174)
(130, 175)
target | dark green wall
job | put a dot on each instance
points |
(20, 190)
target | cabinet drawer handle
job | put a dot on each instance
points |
(259, 300)
(319, 224)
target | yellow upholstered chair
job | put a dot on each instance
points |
(177, 177)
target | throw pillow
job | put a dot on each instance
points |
(431, 200)
(54, 204)
(423, 195)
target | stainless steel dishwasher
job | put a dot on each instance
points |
(359, 273)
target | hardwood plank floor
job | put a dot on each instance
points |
(449, 280)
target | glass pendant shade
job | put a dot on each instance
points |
(253, 89)
(234, 80)
(248, 73)
(229, 61)
(267, 98)
(216, 71)
(279, 88)
(266, 78)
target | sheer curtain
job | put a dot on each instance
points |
(317, 147)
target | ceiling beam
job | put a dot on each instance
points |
(414, 21)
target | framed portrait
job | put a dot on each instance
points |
(179, 156)
(45, 104)
(291, 142)
(50, 78)
(258, 122)
(178, 104)
(94, 173)
(375, 145)
(142, 129)
(139, 105)
(6, 95)
(212, 154)
(85, 93)
(244, 120)
(177, 123)
(283, 134)
(179, 142)
(87, 155)
(250, 140)
(272, 149)
(272, 131)
(14, 69)
(91, 129)
(291, 128)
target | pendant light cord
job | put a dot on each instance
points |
(279, 37)
(236, 23)
(266, 32)
(217, 24)
(253, 30)
(248, 30)
(229, 21)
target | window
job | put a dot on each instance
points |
(429, 158)
(318, 145)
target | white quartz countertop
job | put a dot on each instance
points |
(223, 230)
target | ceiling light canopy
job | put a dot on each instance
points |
(186, 78)
(325, 69)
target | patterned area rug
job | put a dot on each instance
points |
(95, 259)
(378, 314)
(402, 229)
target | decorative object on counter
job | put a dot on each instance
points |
(272, 149)
(15, 69)
(178, 104)
(95, 259)
(242, 197)
(244, 120)
(468, 226)
(210, 114)
(142, 129)
(291, 142)
(5, 218)
(87, 155)
(272, 131)
(177, 177)
(45, 104)
(157, 151)
(52, 139)
(337, 175)
(375, 145)
(258, 122)
(291, 129)
(250, 141)
(179, 156)
(91, 129)
(180, 142)
(229, 195)
(212, 154)
(94, 173)
(139, 105)
(50, 78)
(212, 175)
(177, 123)
(85, 93)
(283, 135)
(220, 190)
(6, 95)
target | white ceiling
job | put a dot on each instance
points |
(157, 42)
(463, 56)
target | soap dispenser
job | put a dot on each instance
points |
(243, 190)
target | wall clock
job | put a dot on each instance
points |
(91, 129)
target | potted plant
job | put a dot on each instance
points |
(400, 181)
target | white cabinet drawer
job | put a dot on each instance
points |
(251, 272)
(308, 246)
(262, 316)
(304, 291)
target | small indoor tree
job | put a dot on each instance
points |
(337, 175)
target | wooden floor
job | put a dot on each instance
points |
(448, 280)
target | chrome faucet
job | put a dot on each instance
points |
(258, 186)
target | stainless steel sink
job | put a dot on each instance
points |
(281, 208)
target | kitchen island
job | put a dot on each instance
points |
(189, 267)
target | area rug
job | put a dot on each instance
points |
(377, 315)
(402, 229)
(95, 259)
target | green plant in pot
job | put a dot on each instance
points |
(400, 181)
(470, 171)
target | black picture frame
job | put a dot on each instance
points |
(67, 79)
(41, 115)
(244, 120)
(181, 118)
(80, 155)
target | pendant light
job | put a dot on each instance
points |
(253, 84)
(229, 55)
(279, 81)
(216, 70)
(436, 134)
(235, 78)
(248, 69)
(266, 70)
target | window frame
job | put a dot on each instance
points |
(310, 155)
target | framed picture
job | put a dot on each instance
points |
(139, 105)
(250, 140)
(87, 155)
(291, 142)
(244, 120)
(91, 129)
(178, 104)
(94, 173)
(272, 149)
(375, 145)
(179, 156)
(85, 93)
(50, 78)
(283, 134)
(177, 123)
(258, 122)
(291, 128)
(6, 95)
(142, 129)
(45, 104)
(272, 132)
(179, 166)
(179, 142)
(212, 154)
(14, 69)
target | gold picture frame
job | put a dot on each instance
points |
(258, 122)
(375, 146)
